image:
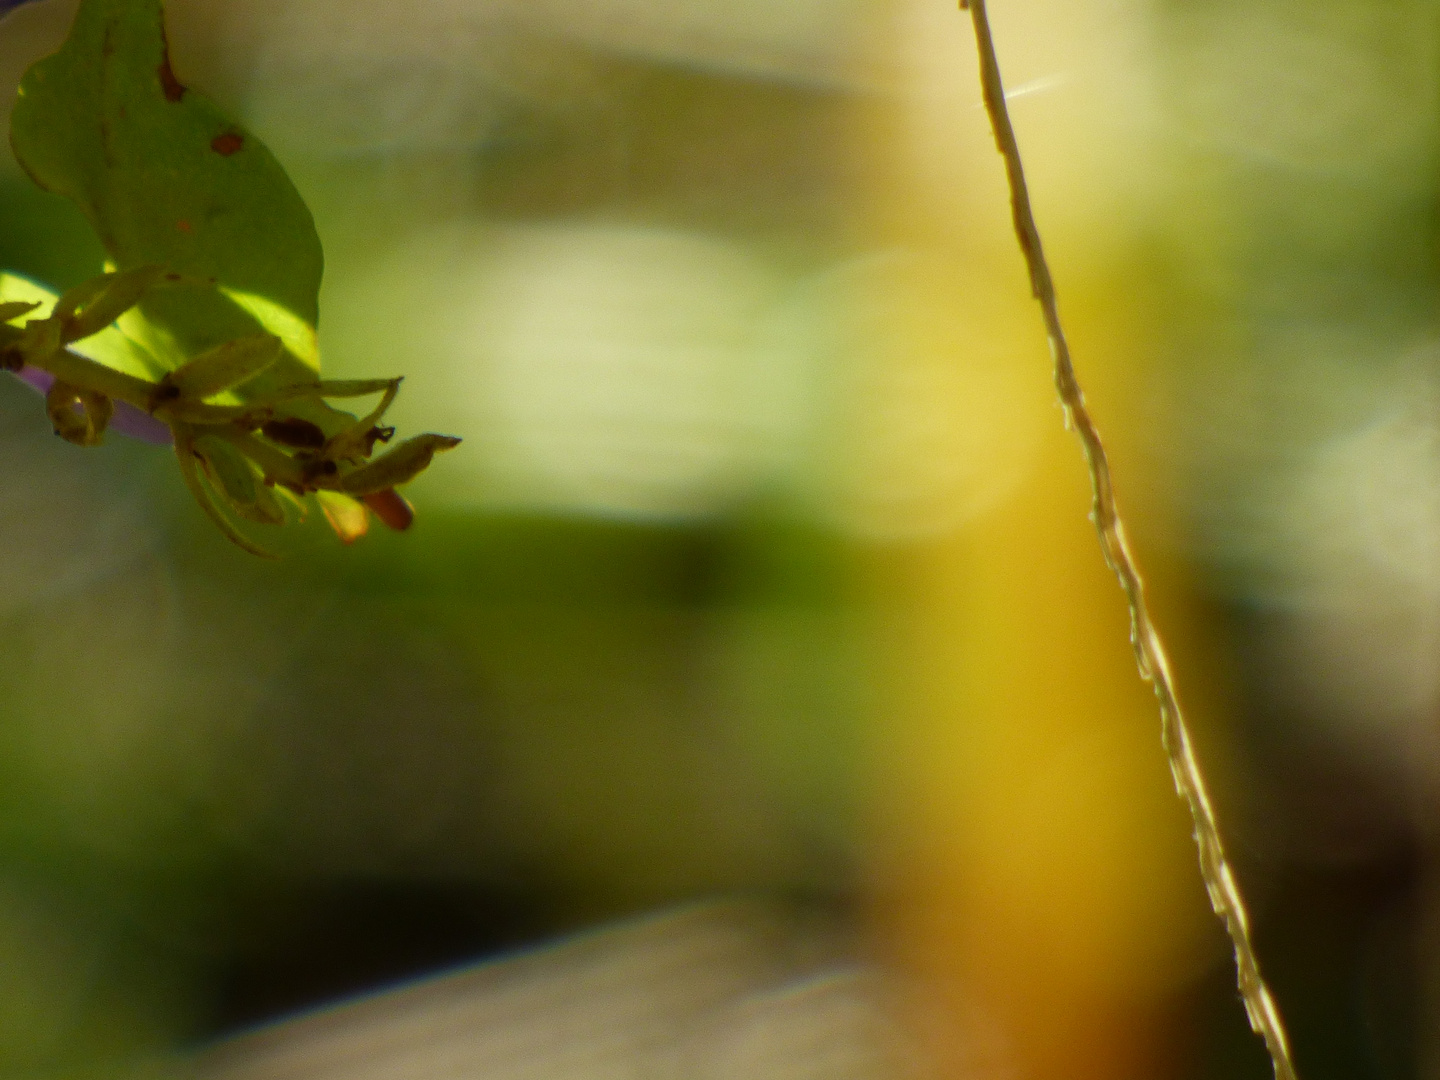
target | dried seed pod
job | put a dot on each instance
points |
(357, 441)
(79, 416)
(294, 432)
(401, 464)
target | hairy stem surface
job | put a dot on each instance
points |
(1150, 654)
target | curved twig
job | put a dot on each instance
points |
(1150, 654)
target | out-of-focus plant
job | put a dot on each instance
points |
(202, 331)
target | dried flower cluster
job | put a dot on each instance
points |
(255, 459)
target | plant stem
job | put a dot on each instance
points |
(1150, 654)
(84, 373)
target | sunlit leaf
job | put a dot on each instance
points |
(297, 334)
(11, 310)
(167, 179)
(15, 288)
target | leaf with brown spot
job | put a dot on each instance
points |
(105, 123)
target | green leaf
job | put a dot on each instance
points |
(297, 335)
(167, 179)
(17, 289)
(232, 472)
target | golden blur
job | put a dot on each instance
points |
(1037, 868)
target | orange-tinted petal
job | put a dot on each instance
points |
(391, 507)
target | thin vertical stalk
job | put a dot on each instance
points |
(1150, 654)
